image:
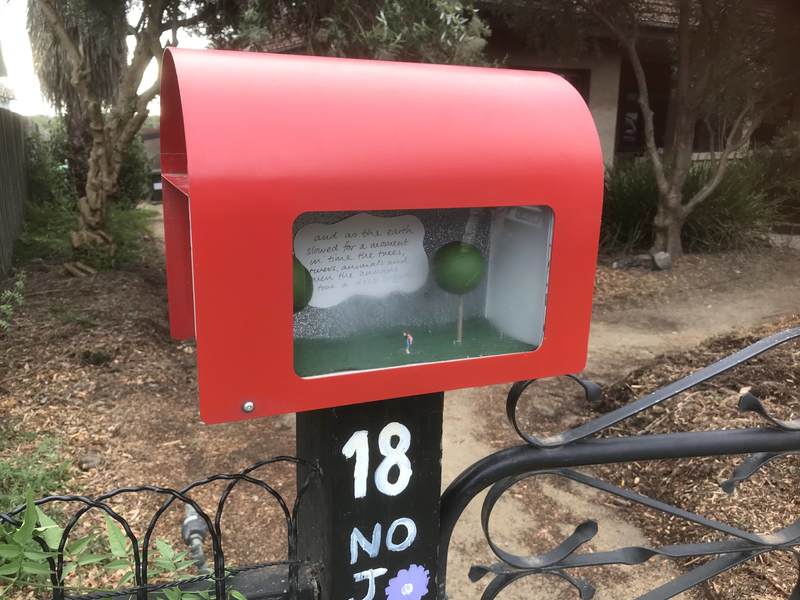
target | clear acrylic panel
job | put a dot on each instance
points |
(384, 289)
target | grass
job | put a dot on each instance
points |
(45, 235)
(42, 469)
(385, 348)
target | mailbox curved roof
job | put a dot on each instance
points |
(252, 117)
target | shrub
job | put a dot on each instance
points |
(45, 235)
(738, 213)
(51, 213)
(134, 176)
(630, 197)
(42, 470)
(45, 232)
(10, 299)
(49, 180)
(782, 160)
(129, 228)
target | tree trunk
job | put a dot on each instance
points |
(668, 226)
(460, 326)
(101, 183)
(79, 141)
(110, 132)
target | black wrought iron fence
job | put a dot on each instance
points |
(277, 579)
(556, 455)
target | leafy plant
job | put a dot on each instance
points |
(42, 469)
(781, 161)
(45, 235)
(49, 180)
(134, 176)
(739, 212)
(630, 198)
(130, 228)
(438, 31)
(45, 232)
(10, 299)
(27, 551)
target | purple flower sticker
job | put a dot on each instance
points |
(409, 584)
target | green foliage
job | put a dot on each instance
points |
(45, 235)
(134, 176)
(438, 31)
(45, 232)
(42, 470)
(10, 299)
(738, 213)
(98, 29)
(26, 552)
(630, 197)
(782, 172)
(129, 228)
(49, 180)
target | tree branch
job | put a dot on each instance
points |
(178, 23)
(627, 39)
(738, 136)
(81, 73)
(75, 56)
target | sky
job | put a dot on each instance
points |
(19, 64)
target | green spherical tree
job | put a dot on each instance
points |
(303, 285)
(458, 268)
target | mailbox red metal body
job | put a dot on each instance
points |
(251, 141)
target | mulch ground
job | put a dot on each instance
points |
(765, 503)
(634, 287)
(90, 361)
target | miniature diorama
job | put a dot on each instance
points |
(391, 288)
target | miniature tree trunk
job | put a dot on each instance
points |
(458, 268)
(460, 329)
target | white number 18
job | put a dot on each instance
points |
(394, 456)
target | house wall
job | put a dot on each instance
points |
(603, 89)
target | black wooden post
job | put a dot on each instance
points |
(371, 522)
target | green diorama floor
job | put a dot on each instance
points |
(386, 348)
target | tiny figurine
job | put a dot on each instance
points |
(409, 341)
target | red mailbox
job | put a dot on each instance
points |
(340, 231)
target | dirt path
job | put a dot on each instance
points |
(700, 302)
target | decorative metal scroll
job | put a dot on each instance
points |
(582, 446)
(217, 579)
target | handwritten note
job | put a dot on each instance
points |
(363, 255)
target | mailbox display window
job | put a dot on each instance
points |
(384, 289)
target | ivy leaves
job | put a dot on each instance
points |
(26, 562)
